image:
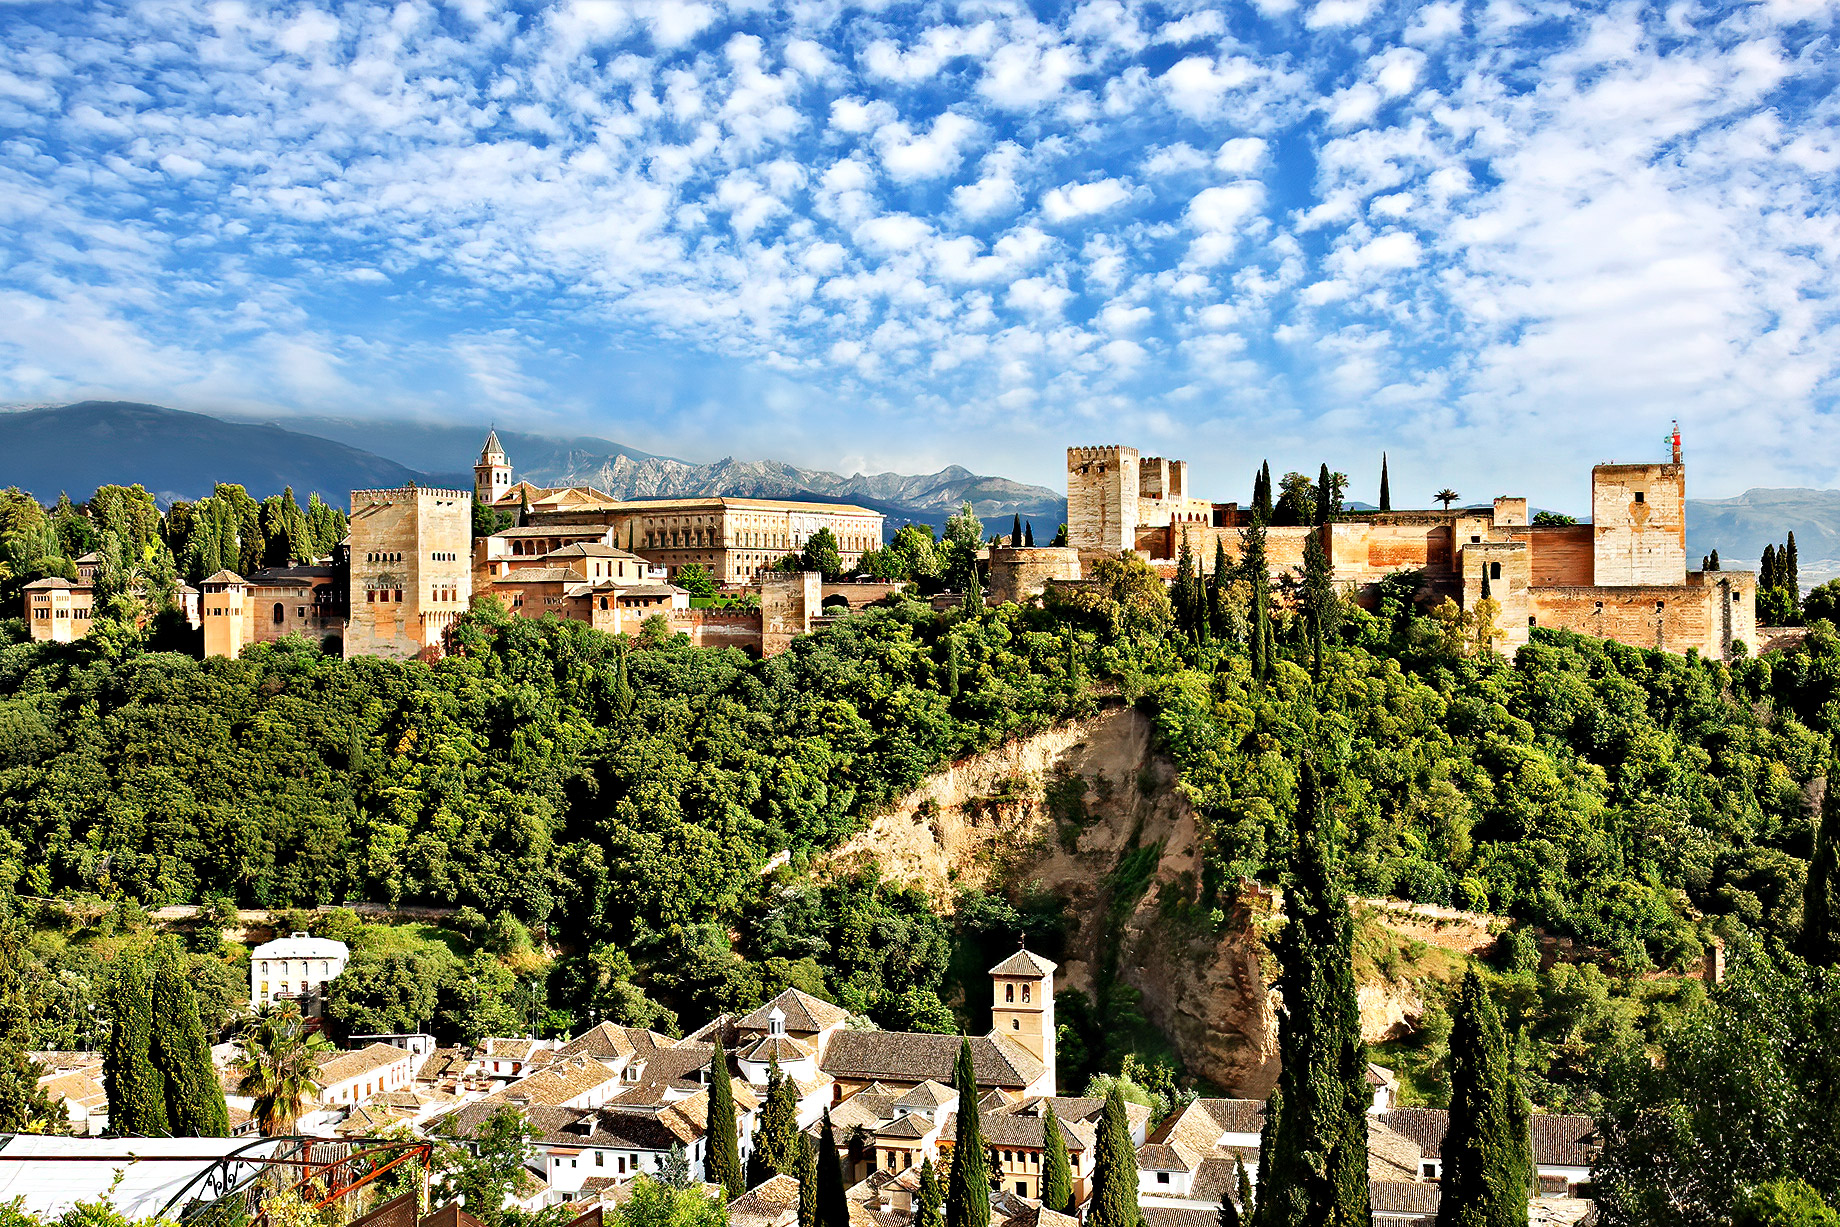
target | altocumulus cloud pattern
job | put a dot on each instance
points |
(1276, 222)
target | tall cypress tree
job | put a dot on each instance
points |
(1242, 1187)
(1187, 608)
(928, 1212)
(1386, 489)
(776, 1140)
(722, 1149)
(968, 1185)
(1319, 1147)
(1766, 570)
(1325, 496)
(137, 1090)
(1114, 1172)
(1487, 1150)
(1714, 564)
(1056, 1170)
(1028, 534)
(833, 1209)
(179, 1049)
(1265, 496)
(1820, 943)
(1256, 572)
(1268, 1149)
(1791, 573)
(1321, 605)
(1015, 531)
(808, 1181)
(1485, 582)
(1217, 590)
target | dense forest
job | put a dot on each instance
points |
(600, 812)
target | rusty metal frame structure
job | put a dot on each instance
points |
(241, 1173)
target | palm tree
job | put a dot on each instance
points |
(278, 1067)
(1447, 496)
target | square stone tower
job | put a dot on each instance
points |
(225, 612)
(1022, 1008)
(411, 574)
(1102, 498)
(1639, 524)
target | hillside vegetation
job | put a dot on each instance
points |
(620, 797)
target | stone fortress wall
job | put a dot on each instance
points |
(1623, 576)
(411, 570)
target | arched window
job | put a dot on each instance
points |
(1025, 993)
(280, 614)
(1009, 992)
(1494, 570)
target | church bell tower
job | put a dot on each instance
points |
(1022, 1009)
(492, 475)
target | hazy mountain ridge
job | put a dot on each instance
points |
(1738, 528)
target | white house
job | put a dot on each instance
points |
(295, 967)
(350, 1078)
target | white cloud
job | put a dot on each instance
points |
(1073, 200)
(908, 156)
(1331, 14)
(1241, 156)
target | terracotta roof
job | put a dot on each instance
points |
(909, 1126)
(491, 444)
(586, 532)
(339, 1066)
(1391, 1155)
(52, 581)
(1024, 963)
(1402, 1197)
(803, 1013)
(1201, 1122)
(441, 1063)
(928, 1095)
(908, 1056)
(612, 1128)
(536, 575)
(560, 1082)
(606, 1040)
(1564, 1141)
(77, 1086)
(771, 1203)
(1179, 1216)
(869, 1109)
(592, 549)
(225, 576)
(783, 1047)
(1218, 1176)
(1166, 1157)
(1005, 1129)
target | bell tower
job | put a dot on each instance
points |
(492, 475)
(1022, 1009)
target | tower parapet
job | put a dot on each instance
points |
(1102, 498)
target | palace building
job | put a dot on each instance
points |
(1622, 576)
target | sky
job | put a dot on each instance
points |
(1501, 240)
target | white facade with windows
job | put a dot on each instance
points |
(296, 968)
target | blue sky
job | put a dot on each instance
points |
(1501, 239)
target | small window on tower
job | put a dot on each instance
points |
(1025, 992)
(1009, 992)
(1640, 497)
(1015, 1024)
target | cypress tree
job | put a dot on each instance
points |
(1028, 535)
(1791, 573)
(833, 1210)
(722, 1156)
(1320, 602)
(773, 1152)
(523, 515)
(1056, 1170)
(1268, 1149)
(1715, 561)
(808, 1181)
(1821, 896)
(1254, 570)
(974, 592)
(968, 1184)
(1229, 1213)
(951, 666)
(1386, 489)
(1114, 1173)
(1217, 591)
(179, 1049)
(1015, 530)
(1485, 581)
(1487, 1150)
(1073, 658)
(1242, 1187)
(1318, 1165)
(1264, 500)
(621, 698)
(931, 1199)
(1325, 496)
(1186, 606)
(1766, 570)
(137, 1090)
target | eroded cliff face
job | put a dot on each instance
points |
(1063, 809)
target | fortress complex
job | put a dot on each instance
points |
(734, 539)
(1622, 576)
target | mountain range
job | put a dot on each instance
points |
(179, 455)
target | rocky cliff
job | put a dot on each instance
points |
(1069, 809)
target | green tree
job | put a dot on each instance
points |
(776, 1139)
(916, 552)
(276, 1067)
(1783, 1203)
(180, 1050)
(968, 1182)
(24, 1105)
(1242, 1188)
(833, 1208)
(1184, 595)
(1386, 489)
(1319, 1162)
(1056, 1167)
(958, 549)
(1114, 1170)
(486, 1167)
(1015, 530)
(928, 1211)
(1447, 496)
(808, 1181)
(722, 1152)
(694, 578)
(1322, 605)
(1028, 535)
(1256, 571)
(1821, 895)
(135, 1086)
(656, 1204)
(1262, 493)
(1296, 501)
(1219, 580)
(1487, 1150)
(822, 555)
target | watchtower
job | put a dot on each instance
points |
(224, 609)
(411, 570)
(1102, 498)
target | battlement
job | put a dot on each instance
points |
(379, 498)
(1086, 455)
